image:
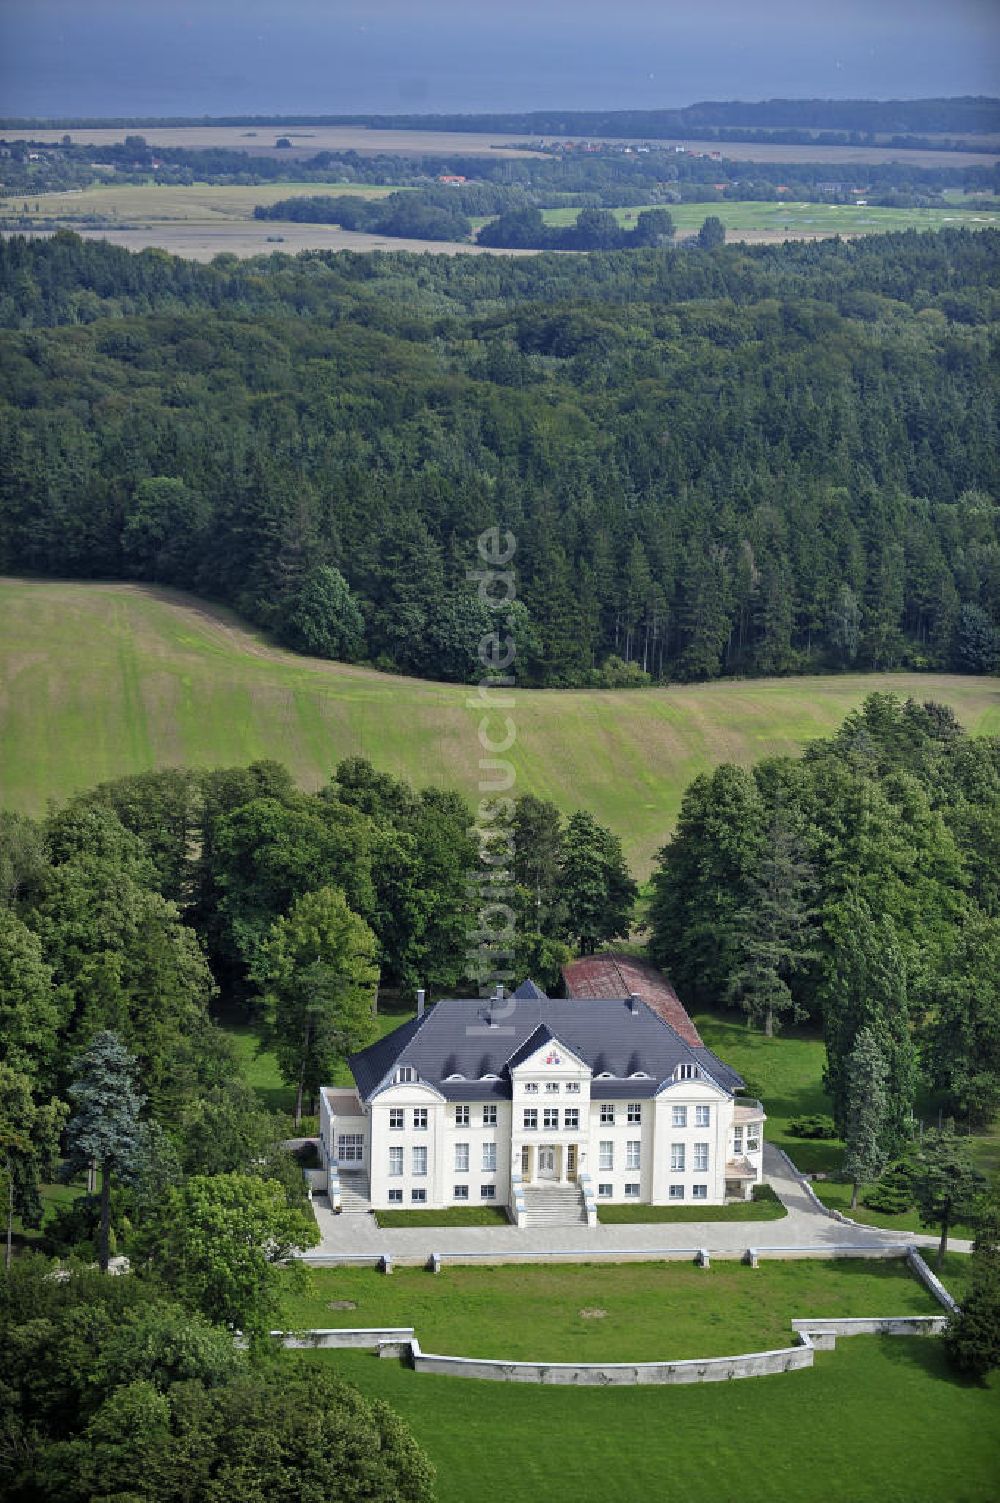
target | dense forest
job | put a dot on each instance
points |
(740, 460)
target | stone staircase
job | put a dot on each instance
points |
(554, 1205)
(355, 1194)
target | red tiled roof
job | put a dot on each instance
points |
(613, 975)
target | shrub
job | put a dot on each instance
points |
(816, 1126)
(893, 1191)
(765, 1192)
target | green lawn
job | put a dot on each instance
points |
(879, 1420)
(741, 1210)
(100, 680)
(625, 1312)
(451, 1216)
(838, 1197)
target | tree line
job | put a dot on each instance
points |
(714, 461)
(856, 888)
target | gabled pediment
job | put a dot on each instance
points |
(542, 1051)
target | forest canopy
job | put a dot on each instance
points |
(759, 460)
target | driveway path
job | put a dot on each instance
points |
(807, 1226)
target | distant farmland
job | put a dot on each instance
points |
(102, 679)
(202, 220)
(308, 139)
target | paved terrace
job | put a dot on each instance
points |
(806, 1227)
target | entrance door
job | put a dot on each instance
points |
(571, 1161)
(546, 1163)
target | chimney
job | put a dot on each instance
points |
(633, 1002)
(421, 994)
(498, 995)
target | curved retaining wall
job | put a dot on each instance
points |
(812, 1336)
(610, 1374)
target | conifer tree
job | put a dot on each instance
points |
(106, 1128)
(867, 1109)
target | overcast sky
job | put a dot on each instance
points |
(107, 57)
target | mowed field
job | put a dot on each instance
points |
(802, 221)
(308, 139)
(149, 203)
(97, 680)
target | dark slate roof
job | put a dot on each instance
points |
(455, 1037)
(527, 990)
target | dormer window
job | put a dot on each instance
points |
(489, 1077)
(638, 1075)
(454, 1077)
(605, 1075)
(405, 1075)
(687, 1072)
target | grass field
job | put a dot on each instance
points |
(801, 219)
(879, 1420)
(99, 680)
(581, 1312)
(148, 204)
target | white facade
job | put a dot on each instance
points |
(686, 1140)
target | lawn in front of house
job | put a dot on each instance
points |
(879, 1420)
(450, 1216)
(612, 1313)
(768, 1208)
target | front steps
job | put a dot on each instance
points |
(355, 1194)
(552, 1204)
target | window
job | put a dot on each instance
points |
(632, 1150)
(350, 1147)
(487, 1192)
(530, 1118)
(677, 1158)
(395, 1197)
(395, 1161)
(572, 1088)
(631, 1191)
(420, 1119)
(461, 1116)
(634, 1112)
(702, 1116)
(461, 1192)
(607, 1111)
(461, 1158)
(418, 1196)
(550, 1117)
(571, 1116)
(737, 1140)
(604, 1192)
(687, 1072)
(531, 1088)
(675, 1192)
(397, 1119)
(419, 1160)
(606, 1154)
(552, 1088)
(700, 1165)
(489, 1158)
(679, 1116)
(489, 1116)
(406, 1074)
(753, 1142)
(699, 1192)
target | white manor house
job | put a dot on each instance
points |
(543, 1106)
